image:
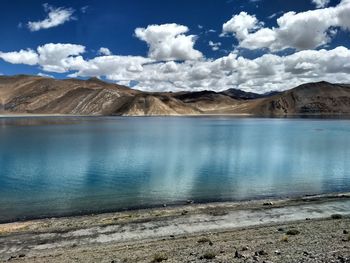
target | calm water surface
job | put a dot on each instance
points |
(61, 166)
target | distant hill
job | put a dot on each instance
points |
(240, 94)
(310, 98)
(23, 94)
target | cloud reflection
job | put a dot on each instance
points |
(115, 163)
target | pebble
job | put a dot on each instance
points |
(268, 203)
(255, 258)
(342, 259)
(238, 255)
(11, 257)
(261, 253)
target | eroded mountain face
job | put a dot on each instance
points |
(311, 98)
(38, 95)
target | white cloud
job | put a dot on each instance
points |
(59, 57)
(112, 67)
(51, 57)
(268, 72)
(275, 14)
(263, 38)
(104, 51)
(45, 75)
(169, 42)
(241, 25)
(214, 45)
(300, 31)
(265, 73)
(55, 17)
(169, 67)
(320, 3)
(174, 64)
(28, 57)
(84, 9)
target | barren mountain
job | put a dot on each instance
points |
(207, 101)
(311, 98)
(240, 94)
(33, 94)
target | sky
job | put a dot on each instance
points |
(158, 45)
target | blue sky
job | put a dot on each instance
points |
(187, 48)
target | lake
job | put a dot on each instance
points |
(55, 166)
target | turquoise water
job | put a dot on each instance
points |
(64, 166)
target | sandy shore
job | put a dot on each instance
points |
(289, 230)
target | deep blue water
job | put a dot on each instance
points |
(62, 166)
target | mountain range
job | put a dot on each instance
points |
(23, 94)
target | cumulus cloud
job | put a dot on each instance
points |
(51, 57)
(112, 67)
(300, 31)
(59, 57)
(55, 17)
(241, 25)
(104, 51)
(169, 42)
(320, 3)
(265, 73)
(28, 57)
(269, 72)
(174, 64)
(169, 67)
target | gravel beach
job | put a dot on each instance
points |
(308, 229)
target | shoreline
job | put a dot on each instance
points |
(36, 238)
(285, 200)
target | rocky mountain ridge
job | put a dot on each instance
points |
(24, 94)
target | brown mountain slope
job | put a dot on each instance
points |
(32, 94)
(207, 101)
(311, 98)
(153, 104)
